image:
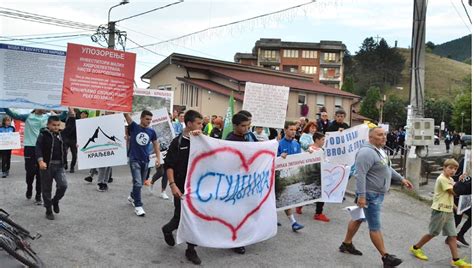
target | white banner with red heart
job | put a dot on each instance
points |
(229, 198)
(334, 182)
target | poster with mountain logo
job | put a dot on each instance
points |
(101, 142)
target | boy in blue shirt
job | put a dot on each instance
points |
(288, 145)
(140, 137)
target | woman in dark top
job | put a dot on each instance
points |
(217, 129)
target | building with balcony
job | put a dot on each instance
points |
(323, 60)
(205, 85)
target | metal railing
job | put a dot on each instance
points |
(394, 152)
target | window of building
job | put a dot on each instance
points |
(329, 57)
(310, 54)
(290, 53)
(165, 87)
(338, 102)
(189, 95)
(331, 72)
(309, 69)
(290, 68)
(301, 99)
(320, 101)
(269, 54)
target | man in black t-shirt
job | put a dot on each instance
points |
(338, 124)
(176, 164)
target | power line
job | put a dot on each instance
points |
(465, 10)
(32, 42)
(47, 34)
(27, 16)
(190, 49)
(225, 25)
(459, 15)
(152, 10)
(49, 37)
(156, 53)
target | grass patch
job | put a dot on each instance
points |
(443, 77)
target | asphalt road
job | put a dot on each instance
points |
(97, 229)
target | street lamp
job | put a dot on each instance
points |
(462, 121)
(123, 2)
(111, 25)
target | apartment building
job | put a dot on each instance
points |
(323, 60)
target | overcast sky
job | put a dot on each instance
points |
(349, 21)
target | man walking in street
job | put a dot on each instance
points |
(373, 175)
(176, 165)
(140, 137)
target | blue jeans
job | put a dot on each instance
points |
(372, 211)
(139, 170)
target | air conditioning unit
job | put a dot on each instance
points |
(420, 132)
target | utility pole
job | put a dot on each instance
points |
(111, 30)
(417, 85)
(111, 25)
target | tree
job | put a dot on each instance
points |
(369, 104)
(462, 120)
(376, 64)
(430, 46)
(348, 85)
(394, 112)
(440, 110)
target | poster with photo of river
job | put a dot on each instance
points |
(298, 180)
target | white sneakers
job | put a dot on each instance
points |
(131, 201)
(163, 195)
(139, 211)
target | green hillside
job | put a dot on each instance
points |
(443, 77)
(458, 49)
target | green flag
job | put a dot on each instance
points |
(228, 128)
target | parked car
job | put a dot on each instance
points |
(466, 141)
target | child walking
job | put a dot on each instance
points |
(51, 158)
(442, 218)
(6, 155)
(318, 143)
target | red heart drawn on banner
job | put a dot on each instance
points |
(328, 193)
(245, 164)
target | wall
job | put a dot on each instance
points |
(168, 76)
(215, 103)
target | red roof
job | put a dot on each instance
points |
(252, 76)
(212, 86)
